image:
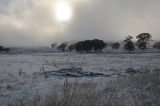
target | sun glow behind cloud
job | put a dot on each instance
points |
(38, 22)
(63, 11)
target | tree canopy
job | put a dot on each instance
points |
(90, 45)
(142, 40)
(129, 45)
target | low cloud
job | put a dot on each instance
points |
(32, 22)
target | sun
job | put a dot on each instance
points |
(63, 11)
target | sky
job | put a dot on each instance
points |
(34, 23)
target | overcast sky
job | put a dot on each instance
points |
(33, 23)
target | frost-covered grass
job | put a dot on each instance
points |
(16, 87)
(136, 90)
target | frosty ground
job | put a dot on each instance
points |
(14, 85)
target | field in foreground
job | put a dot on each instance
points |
(19, 79)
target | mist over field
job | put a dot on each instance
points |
(79, 53)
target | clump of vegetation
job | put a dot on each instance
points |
(115, 46)
(4, 49)
(143, 40)
(1, 48)
(71, 47)
(129, 45)
(90, 45)
(157, 45)
(62, 46)
(9, 87)
(53, 45)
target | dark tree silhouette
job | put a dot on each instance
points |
(157, 45)
(62, 46)
(1, 48)
(115, 45)
(71, 47)
(129, 45)
(90, 45)
(142, 40)
(7, 49)
(98, 45)
(53, 45)
(79, 46)
(4, 49)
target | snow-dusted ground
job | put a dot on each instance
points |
(13, 85)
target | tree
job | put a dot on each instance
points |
(53, 45)
(115, 45)
(79, 46)
(129, 45)
(4, 49)
(157, 45)
(98, 45)
(7, 49)
(84, 46)
(1, 48)
(71, 47)
(62, 46)
(90, 45)
(142, 40)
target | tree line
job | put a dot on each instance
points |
(2, 48)
(96, 45)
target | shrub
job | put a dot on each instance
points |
(115, 45)
(157, 45)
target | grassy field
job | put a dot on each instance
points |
(23, 85)
(135, 90)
